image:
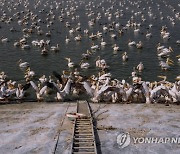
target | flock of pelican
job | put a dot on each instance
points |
(100, 88)
(36, 29)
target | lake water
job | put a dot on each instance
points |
(9, 55)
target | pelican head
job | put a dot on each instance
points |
(169, 61)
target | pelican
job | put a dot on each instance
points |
(94, 47)
(103, 43)
(157, 92)
(139, 45)
(4, 40)
(21, 90)
(25, 46)
(44, 51)
(178, 58)
(175, 93)
(166, 65)
(22, 64)
(160, 47)
(78, 38)
(84, 65)
(178, 78)
(67, 40)
(124, 56)
(132, 43)
(115, 47)
(40, 92)
(55, 48)
(70, 63)
(148, 35)
(165, 52)
(29, 73)
(61, 94)
(140, 67)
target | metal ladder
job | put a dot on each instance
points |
(83, 141)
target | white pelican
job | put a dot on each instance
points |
(160, 47)
(178, 78)
(29, 73)
(178, 58)
(78, 38)
(175, 93)
(55, 48)
(22, 64)
(94, 47)
(84, 65)
(166, 65)
(124, 56)
(25, 46)
(70, 63)
(159, 91)
(103, 43)
(140, 67)
(139, 45)
(20, 90)
(92, 36)
(165, 52)
(132, 43)
(43, 79)
(115, 47)
(148, 35)
(67, 40)
(40, 92)
(4, 40)
(44, 51)
(61, 94)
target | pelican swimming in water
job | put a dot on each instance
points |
(178, 58)
(84, 65)
(165, 52)
(166, 65)
(23, 65)
(139, 45)
(140, 67)
(131, 43)
(124, 56)
(55, 48)
(115, 47)
(70, 63)
(94, 47)
(103, 43)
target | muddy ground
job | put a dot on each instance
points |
(34, 127)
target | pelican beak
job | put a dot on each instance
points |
(161, 76)
(170, 63)
(178, 56)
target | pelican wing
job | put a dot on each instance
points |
(56, 86)
(67, 86)
(42, 91)
(34, 86)
(88, 89)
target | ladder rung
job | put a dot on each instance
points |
(83, 134)
(83, 152)
(83, 131)
(84, 142)
(92, 147)
(80, 138)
